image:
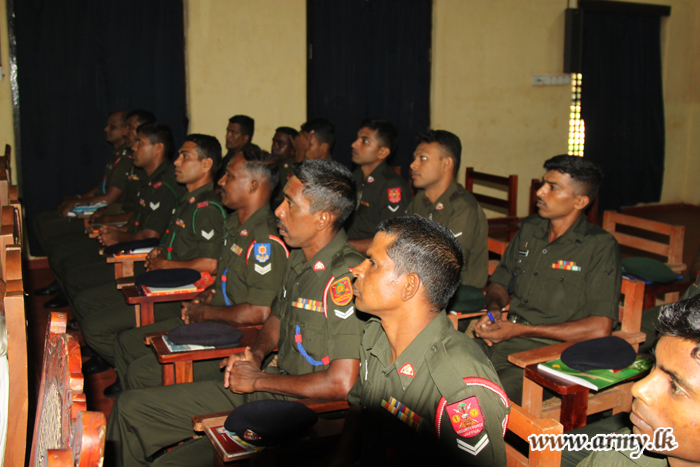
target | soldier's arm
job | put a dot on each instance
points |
(243, 314)
(579, 330)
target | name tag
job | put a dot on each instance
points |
(523, 252)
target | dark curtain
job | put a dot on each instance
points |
(370, 58)
(622, 105)
(77, 62)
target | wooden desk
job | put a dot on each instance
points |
(124, 264)
(143, 304)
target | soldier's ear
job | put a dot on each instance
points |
(581, 202)
(254, 185)
(207, 164)
(324, 220)
(410, 287)
(383, 153)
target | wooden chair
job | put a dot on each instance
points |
(124, 268)
(9, 234)
(671, 252)
(144, 305)
(12, 291)
(497, 225)
(497, 247)
(64, 433)
(575, 408)
(535, 184)
(177, 366)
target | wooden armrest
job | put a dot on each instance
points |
(126, 258)
(677, 268)
(631, 337)
(125, 282)
(543, 354)
(164, 355)
(149, 336)
(523, 423)
(134, 296)
(317, 405)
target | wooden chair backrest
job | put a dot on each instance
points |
(671, 251)
(523, 424)
(509, 184)
(12, 292)
(632, 306)
(497, 247)
(4, 186)
(9, 233)
(57, 430)
(535, 184)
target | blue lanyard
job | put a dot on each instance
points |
(223, 288)
(297, 338)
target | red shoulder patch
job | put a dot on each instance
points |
(203, 204)
(394, 195)
(407, 370)
(466, 417)
(319, 266)
(158, 185)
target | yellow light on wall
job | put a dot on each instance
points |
(576, 124)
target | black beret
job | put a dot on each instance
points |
(168, 277)
(649, 269)
(132, 245)
(270, 421)
(609, 352)
(206, 333)
(467, 299)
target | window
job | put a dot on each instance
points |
(577, 129)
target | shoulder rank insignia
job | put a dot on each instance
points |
(203, 204)
(568, 265)
(440, 207)
(262, 252)
(466, 417)
(158, 185)
(341, 291)
(244, 233)
(403, 413)
(407, 370)
(394, 195)
(208, 235)
(345, 314)
(370, 179)
(319, 266)
(155, 206)
(236, 249)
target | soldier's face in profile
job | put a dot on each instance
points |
(143, 150)
(188, 166)
(315, 149)
(235, 183)
(282, 147)
(377, 287)
(557, 196)
(670, 397)
(427, 166)
(365, 149)
(129, 130)
(114, 129)
(234, 137)
(294, 220)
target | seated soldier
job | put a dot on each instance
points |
(381, 192)
(669, 397)
(239, 132)
(315, 141)
(157, 199)
(249, 272)
(441, 199)
(192, 240)
(562, 274)
(426, 392)
(284, 154)
(313, 325)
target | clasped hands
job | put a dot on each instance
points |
(497, 331)
(241, 372)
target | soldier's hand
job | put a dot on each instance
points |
(205, 297)
(108, 235)
(498, 331)
(192, 312)
(97, 216)
(242, 377)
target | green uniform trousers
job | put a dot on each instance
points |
(103, 314)
(50, 224)
(137, 365)
(143, 421)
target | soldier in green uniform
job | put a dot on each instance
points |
(315, 141)
(250, 267)
(313, 324)
(381, 192)
(434, 169)
(427, 395)
(669, 397)
(239, 133)
(284, 154)
(192, 240)
(562, 274)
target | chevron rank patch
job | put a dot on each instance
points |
(393, 208)
(236, 249)
(262, 252)
(341, 291)
(344, 314)
(208, 235)
(477, 448)
(262, 270)
(403, 413)
(155, 206)
(466, 417)
(394, 195)
(308, 304)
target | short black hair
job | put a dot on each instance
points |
(582, 170)
(143, 116)
(261, 163)
(386, 131)
(246, 123)
(430, 250)
(323, 129)
(449, 142)
(329, 186)
(208, 147)
(287, 130)
(158, 132)
(682, 319)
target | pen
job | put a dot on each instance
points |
(490, 315)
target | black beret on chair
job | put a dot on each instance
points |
(271, 421)
(168, 277)
(608, 352)
(206, 333)
(132, 245)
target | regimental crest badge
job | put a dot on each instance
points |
(244, 233)
(341, 291)
(250, 435)
(319, 266)
(466, 417)
(192, 199)
(394, 195)
(407, 370)
(370, 179)
(440, 207)
(262, 252)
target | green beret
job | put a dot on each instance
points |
(467, 299)
(648, 269)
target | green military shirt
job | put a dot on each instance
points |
(381, 195)
(252, 261)
(440, 398)
(116, 171)
(458, 210)
(318, 323)
(157, 200)
(576, 276)
(136, 177)
(623, 459)
(196, 227)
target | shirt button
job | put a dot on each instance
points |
(386, 375)
(537, 273)
(561, 279)
(525, 301)
(544, 252)
(433, 348)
